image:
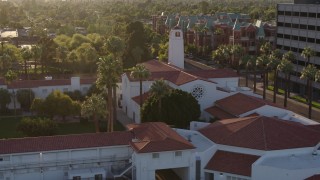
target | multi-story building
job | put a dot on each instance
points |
(298, 27)
(207, 32)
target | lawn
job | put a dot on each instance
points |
(8, 128)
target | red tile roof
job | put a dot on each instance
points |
(234, 163)
(214, 73)
(219, 113)
(314, 177)
(51, 143)
(178, 76)
(88, 81)
(39, 83)
(262, 133)
(157, 137)
(239, 103)
(145, 96)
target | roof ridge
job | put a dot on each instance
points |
(237, 131)
(264, 135)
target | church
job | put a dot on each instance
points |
(207, 86)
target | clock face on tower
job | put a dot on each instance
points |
(198, 91)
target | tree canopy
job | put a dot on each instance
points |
(178, 108)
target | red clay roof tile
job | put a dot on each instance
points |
(178, 76)
(219, 113)
(239, 103)
(157, 137)
(234, 163)
(51, 143)
(214, 73)
(314, 177)
(263, 133)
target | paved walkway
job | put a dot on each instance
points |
(123, 118)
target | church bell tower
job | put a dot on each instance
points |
(176, 48)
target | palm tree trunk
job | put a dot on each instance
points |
(289, 85)
(275, 86)
(247, 77)
(141, 103)
(114, 103)
(96, 123)
(25, 69)
(310, 98)
(110, 120)
(264, 85)
(285, 91)
(267, 79)
(254, 81)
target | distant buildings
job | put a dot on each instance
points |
(207, 32)
(298, 27)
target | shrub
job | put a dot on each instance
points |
(37, 127)
(25, 98)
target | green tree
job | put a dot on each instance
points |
(36, 54)
(309, 73)
(25, 97)
(34, 127)
(77, 40)
(237, 52)
(286, 67)
(87, 55)
(59, 104)
(290, 57)
(159, 88)
(135, 39)
(94, 107)
(109, 70)
(178, 109)
(37, 106)
(26, 55)
(11, 76)
(5, 99)
(262, 64)
(75, 95)
(307, 53)
(275, 59)
(115, 45)
(140, 72)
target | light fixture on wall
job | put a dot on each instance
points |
(221, 175)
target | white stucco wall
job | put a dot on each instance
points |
(55, 164)
(146, 165)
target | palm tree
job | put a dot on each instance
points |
(26, 55)
(307, 53)
(94, 107)
(116, 46)
(237, 51)
(159, 88)
(275, 59)
(140, 73)
(290, 57)
(262, 64)
(36, 53)
(11, 76)
(286, 67)
(309, 73)
(246, 61)
(266, 48)
(5, 61)
(109, 71)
